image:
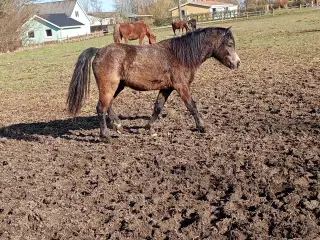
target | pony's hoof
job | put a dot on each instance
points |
(147, 126)
(105, 139)
(118, 128)
(201, 129)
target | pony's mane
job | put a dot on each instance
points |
(190, 48)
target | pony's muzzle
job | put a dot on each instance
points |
(235, 61)
(238, 64)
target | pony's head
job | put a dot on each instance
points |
(195, 47)
(224, 49)
(152, 39)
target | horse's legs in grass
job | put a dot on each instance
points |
(158, 105)
(113, 121)
(141, 38)
(184, 92)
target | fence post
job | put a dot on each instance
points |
(247, 15)
(300, 6)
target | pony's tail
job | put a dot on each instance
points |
(116, 33)
(80, 81)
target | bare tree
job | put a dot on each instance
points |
(160, 8)
(133, 6)
(15, 12)
(123, 6)
(85, 4)
(96, 6)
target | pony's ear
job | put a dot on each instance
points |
(228, 29)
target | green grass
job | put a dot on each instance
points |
(38, 78)
(49, 66)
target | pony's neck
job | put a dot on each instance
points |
(194, 48)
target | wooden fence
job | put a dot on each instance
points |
(230, 15)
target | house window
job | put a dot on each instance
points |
(49, 33)
(183, 13)
(31, 34)
(77, 14)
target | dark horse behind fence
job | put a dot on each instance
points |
(192, 24)
(166, 66)
(133, 31)
(179, 25)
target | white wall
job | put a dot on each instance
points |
(82, 17)
(71, 32)
(94, 21)
(222, 8)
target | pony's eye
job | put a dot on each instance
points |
(229, 44)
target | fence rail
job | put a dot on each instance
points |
(229, 15)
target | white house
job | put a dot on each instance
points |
(55, 21)
(203, 7)
(101, 20)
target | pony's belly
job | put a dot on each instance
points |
(133, 37)
(142, 84)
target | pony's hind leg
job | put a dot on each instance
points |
(106, 93)
(113, 121)
(184, 92)
(101, 112)
(158, 105)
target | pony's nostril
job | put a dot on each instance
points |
(238, 64)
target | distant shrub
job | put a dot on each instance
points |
(162, 22)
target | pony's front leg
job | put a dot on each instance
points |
(158, 105)
(184, 92)
(141, 40)
(114, 121)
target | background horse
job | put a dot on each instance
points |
(133, 31)
(166, 66)
(192, 24)
(179, 25)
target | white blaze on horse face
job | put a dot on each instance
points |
(234, 59)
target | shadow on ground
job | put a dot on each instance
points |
(57, 128)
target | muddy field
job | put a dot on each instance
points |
(253, 175)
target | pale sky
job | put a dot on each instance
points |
(107, 5)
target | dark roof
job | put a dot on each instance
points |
(55, 7)
(60, 20)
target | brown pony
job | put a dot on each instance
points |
(179, 25)
(133, 31)
(173, 67)
(192, 24)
